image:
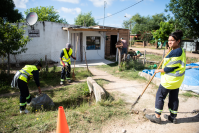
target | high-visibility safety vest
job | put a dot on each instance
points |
(26, 72)
(174, 79)
(66, 57)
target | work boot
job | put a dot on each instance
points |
(168, 117)
(29, 104)
(68, 81)
(24, 111)
(153, 118)
(61, 83)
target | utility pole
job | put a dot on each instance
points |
(104, 12)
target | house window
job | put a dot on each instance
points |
(93, 42)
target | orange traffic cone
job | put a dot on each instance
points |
(62, 126)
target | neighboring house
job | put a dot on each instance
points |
(48, 38)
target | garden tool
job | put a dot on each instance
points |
(149, 81)
(73, 74)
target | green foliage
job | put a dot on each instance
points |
(46, 14)
(8, 12)
(146, 36)
(85, 19)
(12, 39)
(186, 14)
(163, 33)
(141, 23)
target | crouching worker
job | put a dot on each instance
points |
(172, 75)
(65, 61)
(21, 80)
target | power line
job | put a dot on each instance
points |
(121, 10)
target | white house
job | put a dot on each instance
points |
(48, 38)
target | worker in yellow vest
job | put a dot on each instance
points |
(65, 61)
(172, 76)
(21, 80)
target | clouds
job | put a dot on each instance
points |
(71, 10)
(20, 3)
(128, 15)
(70, 1)
(99, 3)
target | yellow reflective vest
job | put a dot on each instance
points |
(174, 79)
(66, 57)
(26, 72)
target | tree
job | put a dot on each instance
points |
(46, 14)
(186, 14)
(8, 13)
(12, 40)
(163, 32)
(85, 19)
(144, 24)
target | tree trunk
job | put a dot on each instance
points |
(144, 43)
(8, 64)
(156, 44)
(161, 45)
(167, 45)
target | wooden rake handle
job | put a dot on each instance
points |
(155, 73)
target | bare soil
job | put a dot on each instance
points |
(129, 91)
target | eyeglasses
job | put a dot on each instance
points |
(171, 40)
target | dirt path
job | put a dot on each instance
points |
(161, 51)
(129, 91)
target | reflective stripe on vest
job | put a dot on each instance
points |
(27, 72)
(174, 79)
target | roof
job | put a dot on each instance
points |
(91, 28)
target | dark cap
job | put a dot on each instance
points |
(38, 64)
(68, 45)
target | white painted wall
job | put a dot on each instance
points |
(52, 39)
(94, 54)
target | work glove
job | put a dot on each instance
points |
(74, 58)
(63, 64)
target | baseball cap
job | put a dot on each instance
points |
(68, 45)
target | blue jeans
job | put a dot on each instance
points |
(124, 51)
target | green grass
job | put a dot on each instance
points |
(189, 94)
(79, 114)
(47, 79)
(130, 71)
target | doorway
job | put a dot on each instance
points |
(113, 41)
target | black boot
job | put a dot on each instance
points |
(170, 118)
(153, 118)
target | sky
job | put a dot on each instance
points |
(115, 10)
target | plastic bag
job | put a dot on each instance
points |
(43, 100)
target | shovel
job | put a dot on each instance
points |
(73, 74)
(149, 81)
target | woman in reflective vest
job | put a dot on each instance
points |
(65, 55)
(28, 72)
(172, 75)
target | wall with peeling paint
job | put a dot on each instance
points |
(52, 39)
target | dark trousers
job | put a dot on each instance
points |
(66, 72)
(173, 100)
(24, 94)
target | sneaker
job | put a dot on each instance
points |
(68, 81)
(61, 83)
(153, 118)
(168, 117)
(24, 111)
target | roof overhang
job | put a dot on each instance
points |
(89, 29)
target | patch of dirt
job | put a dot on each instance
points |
(129, 91)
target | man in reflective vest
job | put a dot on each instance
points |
(26, 73)
(172, 76)
(65, 61)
